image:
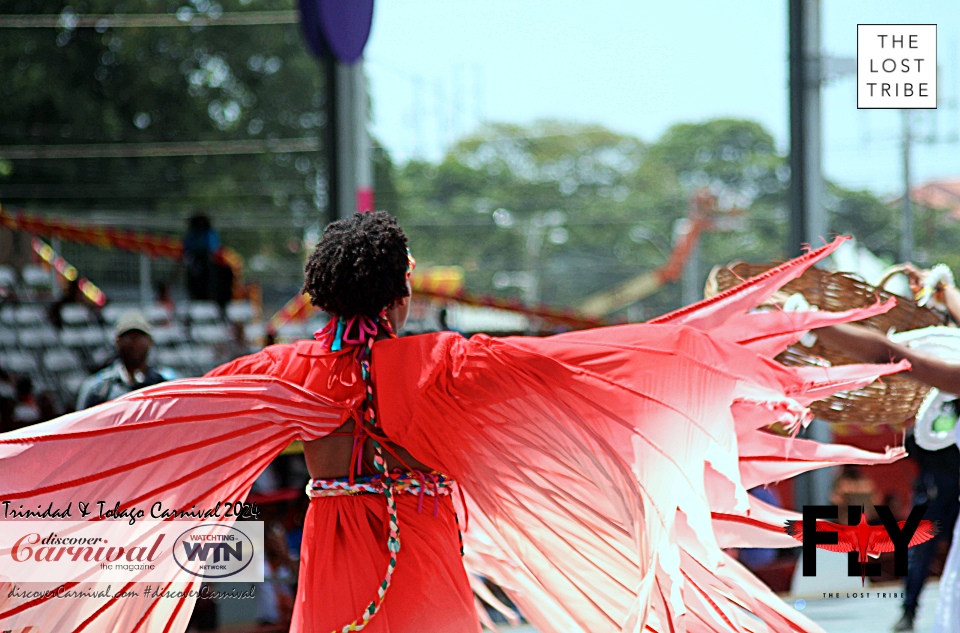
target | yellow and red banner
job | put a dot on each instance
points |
(157, 246)
(69, 272)
(446, 283)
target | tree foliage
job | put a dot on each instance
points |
(188, 84)
(620, 199)
(553, 211)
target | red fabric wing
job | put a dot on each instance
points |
(182, 443)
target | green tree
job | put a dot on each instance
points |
(556, 200)
(738, 162)
(145, 85)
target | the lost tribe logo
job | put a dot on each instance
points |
(859, 539)
(208, 552)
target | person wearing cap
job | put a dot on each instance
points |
(130, 371)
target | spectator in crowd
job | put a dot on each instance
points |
(130, 371)
(938, 487)
(49, 406)
(755, 558)
(26, 411)
(222, 286)
(71, 294)
(853, 488)
(8, 402)
(205, 616)
(199, 246)
(165, 299)
(270, 336)
(236, 347)
(275, 595)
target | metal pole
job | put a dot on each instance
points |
(363, 187)
(346, 105)
(797, 195)
(906, 221)
(347, 143)
(145, 298)
(534, 241)
(808, 222)
(691, 289)
(55, 290)
(330, 138)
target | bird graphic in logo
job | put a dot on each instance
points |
(864, 539)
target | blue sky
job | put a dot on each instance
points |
(439, 67)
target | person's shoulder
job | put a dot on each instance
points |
(165, 373)
(95, 388)
(109, 372)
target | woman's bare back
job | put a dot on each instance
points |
(329, 457)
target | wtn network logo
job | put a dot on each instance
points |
(213, 551)
(201, 551)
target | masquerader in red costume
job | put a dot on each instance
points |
(604, 471)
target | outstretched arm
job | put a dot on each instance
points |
(873, 347)
(951, 299)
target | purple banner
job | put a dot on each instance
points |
(337, 27)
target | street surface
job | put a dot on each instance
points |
(871, 614)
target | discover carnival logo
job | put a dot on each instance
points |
(213, 551)
(117, 551)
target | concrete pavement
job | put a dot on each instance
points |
(841, 614)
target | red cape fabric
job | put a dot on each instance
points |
(604, 470)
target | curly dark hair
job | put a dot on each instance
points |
(359, 267)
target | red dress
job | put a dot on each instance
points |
(604, 470)
(344, 550)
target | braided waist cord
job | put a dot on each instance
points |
(415, 483)
(390, 484)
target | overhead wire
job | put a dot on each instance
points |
(145, 20)
(164, 148)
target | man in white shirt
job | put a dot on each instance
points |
(130, 371)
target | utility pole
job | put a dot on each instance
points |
(906, 219)
(808, 221)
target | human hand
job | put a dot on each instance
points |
(915, 276)
(935, 282)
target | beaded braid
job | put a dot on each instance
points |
(380, 465)
(391, 484)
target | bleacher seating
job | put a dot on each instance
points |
(255, 331)
(112, 311)
(8, 281)
(77, 314)
(157, 314)
(164, 335)
(240, 312)
(210, 333)
(37, 280)
(192, 343)
(34, 338)
(30, 314)
(8, 338)
(19, 362)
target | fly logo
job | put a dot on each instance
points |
(858, 539)
(213, 551)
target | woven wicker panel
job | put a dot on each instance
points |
(891, 401)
